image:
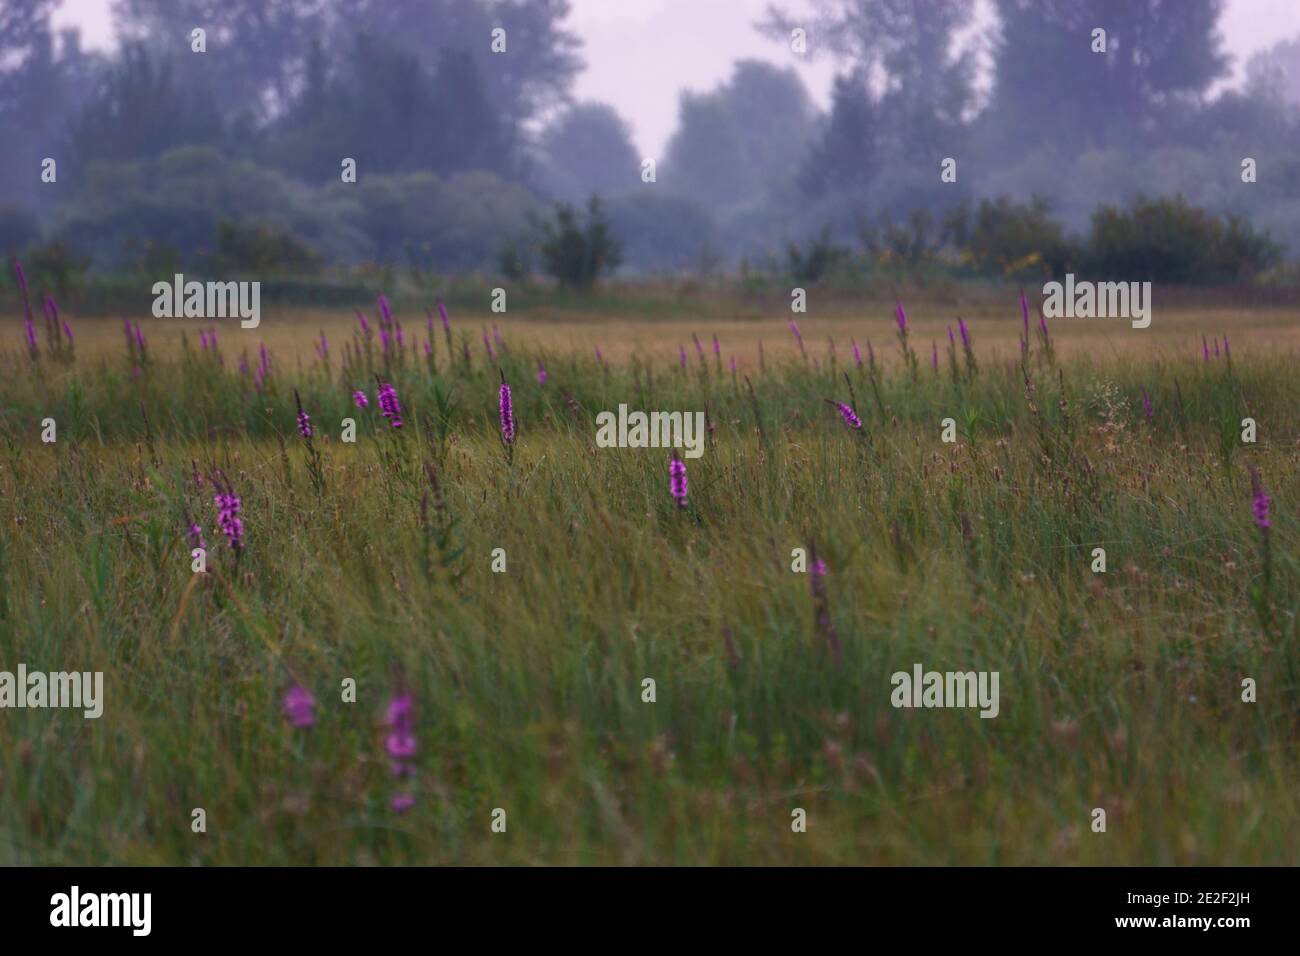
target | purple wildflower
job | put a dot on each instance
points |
(299, 706)
(389, 405)
(1226, 351)
(304, 424)
(400, 746)
(1205, 350)
(677, 485)
(386, 314)
(798, 336)
(857, 353)
(507, 413)
(361, 320)
(717, 348)
(68, 332)
(359, 398)
(1146, 405)
(228, 520)
(847, 413)
(965, 333)
(1260, 504)
(541, 373)
(900, 317)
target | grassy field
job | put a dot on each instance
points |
(373, 562)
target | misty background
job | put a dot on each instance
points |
(1126, 163)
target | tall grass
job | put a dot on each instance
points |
(1120, 690)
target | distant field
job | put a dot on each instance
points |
(1174, 332)
(1120, 690)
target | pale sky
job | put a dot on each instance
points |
(641, 53)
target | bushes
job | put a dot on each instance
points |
(1005, 237)
(576, 257)
(1169, 240)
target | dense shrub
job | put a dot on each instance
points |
(1169, 240)
(575, 255)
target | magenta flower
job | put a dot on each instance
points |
(847, 413)
(228, 509)
(1260, 505)
(203, 339)
(506, 407)
(677, 485)
(389, 405)
(798, 336)
(900, 317)
(68, 332)
(400, 746)
(1205, 350)
(299, 706)
(599, 357)
(361, 320)
(541, 373)
(1226, 351)
(386, 314)
(857, 352)
(965, 333)
(304, 425)
(359, 398)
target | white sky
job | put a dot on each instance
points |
(641, 53)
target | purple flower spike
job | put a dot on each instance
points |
(299, 706)
(847, 413)
(541, 373)
(677, 485)
(900, 317)
(965, 333)
(1260, 505)
(857, 352)
(389, 405)
(506, 408)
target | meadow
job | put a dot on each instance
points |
(521, 689)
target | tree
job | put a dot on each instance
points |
(907, 50)
(843, 157)
(257, 49)
(588, 150)
(574, 256)
(742, 139)
(1050, 86)
(532, 76)
(138, 111)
